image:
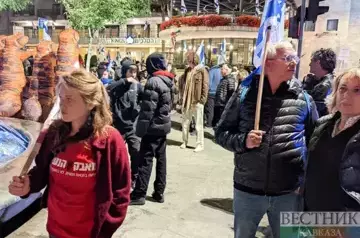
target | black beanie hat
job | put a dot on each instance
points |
(100, 71)
(155, 62)
(125, 66)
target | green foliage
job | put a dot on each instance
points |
(94, 14)
(14, 5)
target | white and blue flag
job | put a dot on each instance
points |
(273, 16)
(185, 46)
(201, 53)
(217, 6)
(222, 55)
(183, 7)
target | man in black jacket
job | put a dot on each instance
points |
(154, 123)
(318, 82)
(224, 91)
(125, 97)
(268, 162)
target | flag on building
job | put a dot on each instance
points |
(273, 16)
(43, 29)
(34, 25)
(146, 25)
(201, 53)
(222, 55)
(217, 6)
(257, 8)
(185, 46)
(183, 7)
(109, 65)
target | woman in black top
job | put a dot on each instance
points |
(333, 170)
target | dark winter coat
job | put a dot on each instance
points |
(125, 104)
(319, 90)
(225, 90)
(349, 170)
(276, 166)
(154, 117)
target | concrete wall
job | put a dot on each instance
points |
(344, 42)
(354, 34)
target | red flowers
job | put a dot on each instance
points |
(213, 21)
(208, 20)
(246, 20)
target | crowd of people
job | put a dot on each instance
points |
(295, 161)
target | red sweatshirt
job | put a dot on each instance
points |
(112, 183)
(71, 202)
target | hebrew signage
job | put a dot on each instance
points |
(129, 41)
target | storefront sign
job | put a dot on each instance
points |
(129, 41)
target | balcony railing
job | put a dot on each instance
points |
(33, 39)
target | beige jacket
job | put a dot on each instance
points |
(194, 87)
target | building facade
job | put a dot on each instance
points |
(240, 43)
(338, 29)
(138, 38)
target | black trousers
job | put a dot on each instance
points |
(209, 111)
(218, 111)
(151, 146)
(133, 143)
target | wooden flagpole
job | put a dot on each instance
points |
(52, 116)
(261, 82)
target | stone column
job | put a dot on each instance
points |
(153, 30)
(123, 31)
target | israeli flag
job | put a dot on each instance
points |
(109, 65)
(273, 15)
(185, 46)
(183, 7)
(201, 53)
(146, 25)
(217, 6)
(222, 55)
(46, 31)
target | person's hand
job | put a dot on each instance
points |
(132, 80)
(20, 186)
(254, 139)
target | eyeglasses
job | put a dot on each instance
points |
(291, 58)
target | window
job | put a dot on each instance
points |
(111, 31)
(138, 31)
(332, 25)
(56, 9)
(30, 32)
(309, 26)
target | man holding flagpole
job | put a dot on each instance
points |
(269, 161)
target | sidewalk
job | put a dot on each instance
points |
(198, 198)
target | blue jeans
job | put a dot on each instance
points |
(249, 209)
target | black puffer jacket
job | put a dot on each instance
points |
(319, 90)
(349, 171)
(125, 100)
(224, 90)
(276, 166)
(154, 118)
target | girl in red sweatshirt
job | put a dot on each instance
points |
(83, 163)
